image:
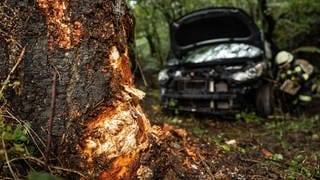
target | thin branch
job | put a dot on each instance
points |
(7, 160)
(139, 67)
(51, 116)
(40, 162)
(30, 131)
(206, 166)
(34, 159)
(68, 170)
(13, 69)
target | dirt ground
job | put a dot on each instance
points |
(282, 147)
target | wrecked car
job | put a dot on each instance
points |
(219, 64)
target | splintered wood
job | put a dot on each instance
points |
(63, 32)
(113, 138)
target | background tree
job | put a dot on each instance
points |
(297, 23)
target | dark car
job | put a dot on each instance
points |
(219, 64)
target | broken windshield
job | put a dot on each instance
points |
(222, 51)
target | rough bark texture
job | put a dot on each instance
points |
(98, 123)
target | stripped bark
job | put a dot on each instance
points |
(98, 126)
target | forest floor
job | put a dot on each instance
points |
(211, 147)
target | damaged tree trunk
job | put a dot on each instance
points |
(76, 84)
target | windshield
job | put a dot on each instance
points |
(222, 51)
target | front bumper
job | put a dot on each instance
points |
(207, 100)
(209, 103)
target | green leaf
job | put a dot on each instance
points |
(238, 117)
(2, 124)
(41, 176)
(8, 128)
(5, 83)
(19, 134)
(299, 158)
(1, 96)
(18, 147)
(226, 147)
(7, 136)
(241, 150)
(30, 149)
(276, 157)
(2, 152)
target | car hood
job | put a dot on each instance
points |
(210, 26)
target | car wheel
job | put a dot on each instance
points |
(265, 100)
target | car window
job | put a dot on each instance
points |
(222, 51)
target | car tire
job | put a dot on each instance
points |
(265, 100)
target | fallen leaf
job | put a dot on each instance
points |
(266, 153)
(190, 153)
(186, 163)
(181, 132)
(217, 150)
(232, 143)
(167, 127)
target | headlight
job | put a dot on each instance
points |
(251, 73)
(163, 77)
(178, 74)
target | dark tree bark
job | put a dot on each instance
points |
(98, 126)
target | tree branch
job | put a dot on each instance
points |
(51, 116)
(4, 86)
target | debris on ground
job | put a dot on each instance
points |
(175, 155)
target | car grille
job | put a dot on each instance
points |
(194, 103)
(207, 104)
(202, 85)
(221, 87)
(194, 85)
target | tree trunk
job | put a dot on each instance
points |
(76, 84)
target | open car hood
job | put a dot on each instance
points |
(212, 26)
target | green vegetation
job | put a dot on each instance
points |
(304, 129)
(296, 23)
(249, 117)
(291, 142)
(17, 144)
(14, 143)
(43, 176)
(301, 124)
(14, 140)
(298, 168)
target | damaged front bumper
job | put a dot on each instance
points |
(210, 101)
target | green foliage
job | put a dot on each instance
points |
(199, 131)
(41, 176)
(220, 141)
(241, 150)
(4, 85)
(302, 124)
(295, 20)
(14, 140)
(276, 157)
(298, 168)
(152, 25)
(173, 120)
(249, 117)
